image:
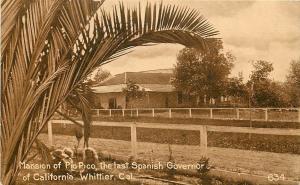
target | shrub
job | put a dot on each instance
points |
(90, 157)
(203, 171)
(171, 171)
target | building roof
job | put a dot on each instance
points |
(158, 71)
(109, 88)
(139, 78)
(153, 80)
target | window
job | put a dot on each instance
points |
(112, 103)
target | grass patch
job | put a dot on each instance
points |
(199, 121)
(257, 142)
(76, 182)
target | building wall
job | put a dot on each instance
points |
(163, 99)
(150, 100)
(155, 100)
(102, 100)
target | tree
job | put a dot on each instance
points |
(133, 92)
(49, 47)
(203, 73)
(261, 72)
(259, 84)
(268, 94)
(265, 92)
(292, 84)
(100, 76)
(236, 89)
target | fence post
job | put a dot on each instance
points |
(137, 112)
(237, 113)
(133, 140)
(170, 113)
(211, 113)
(203, 140)
(98, 112)
(266, 114)
(123, 113)
(153, 113)
(190, 112)
(50, 134)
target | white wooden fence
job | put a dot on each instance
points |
(203, 129)
(260, 114)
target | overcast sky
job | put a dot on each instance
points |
(252, 30)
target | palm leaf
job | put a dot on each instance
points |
(29, 92)
(81, 100)
(127, 28)
(51, 46)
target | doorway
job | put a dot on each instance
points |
(112, 103)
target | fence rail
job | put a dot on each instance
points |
(203, 129)
(259, 114)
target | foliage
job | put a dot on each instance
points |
(133, 92)
(130, 161)
(38, 71)
(261, 72)
(100, 76)
(236, 89)
(171, 171)
(49, 47)
(55, 157)
(269, 94)
(81, 99)
(65, 156)
(60, 157)
(203, 73)
(293, 83)
(90, 158)
(203, 171)
(204, 166)
(263, 91)
(77, 131)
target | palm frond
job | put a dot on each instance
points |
(81, 100)
(35, 57)
(10, 10)
(116, 33)
(51, 46)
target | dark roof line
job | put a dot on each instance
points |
(139, 78)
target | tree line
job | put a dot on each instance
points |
(205, 75)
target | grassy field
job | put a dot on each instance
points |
(201, 121)
(254, 154)
(74, 182)
(235, 160)
(229, 113)
(257, 142)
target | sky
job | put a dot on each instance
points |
(250, 30)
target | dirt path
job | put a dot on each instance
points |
(252, 162)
